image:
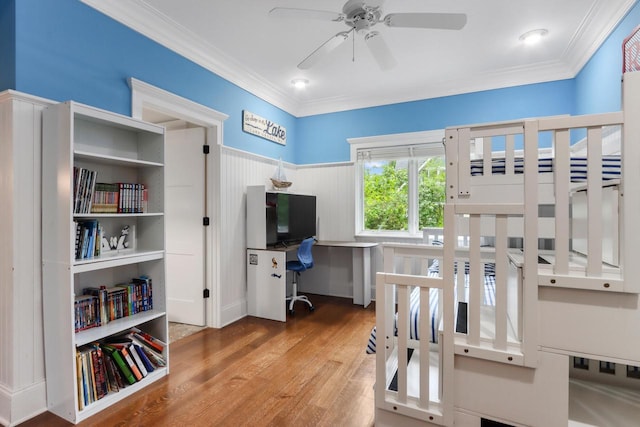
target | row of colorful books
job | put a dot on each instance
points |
(115, 363)
(98, 306)
(119, 197)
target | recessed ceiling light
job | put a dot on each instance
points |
(300, 83)
(534, 36)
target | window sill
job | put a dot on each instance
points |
(382, 235)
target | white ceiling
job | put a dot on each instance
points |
(238, 40)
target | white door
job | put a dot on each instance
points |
(185, 234)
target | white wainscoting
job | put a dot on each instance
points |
(22, 373)
(334, 187)
(333, 184)
(239, 169)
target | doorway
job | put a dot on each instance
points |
(192, 247)
(185, 208)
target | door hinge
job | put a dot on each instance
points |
(205, 221)
(206, 293)
(205, 149)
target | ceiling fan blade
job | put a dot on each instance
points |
(440, 21)
(323, 50)
(323, 15)
(380, 50)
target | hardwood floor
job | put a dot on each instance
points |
(310, 371)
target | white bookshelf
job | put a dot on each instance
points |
(119, 149)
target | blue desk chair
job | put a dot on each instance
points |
(304, 262)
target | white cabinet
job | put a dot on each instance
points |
(120, 150)
(267, 284)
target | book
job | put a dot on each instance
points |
(112, 375)
(136, 358)
(143, 357)
(99, 373)
(85, 379)
(153, 342)
(85, 312)
(157, 359)
(123, 366)
(79, 381)
(124, 351)
(101, 294)
(93, 392)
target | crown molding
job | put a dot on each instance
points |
(148, 21)
(141, 17)
(14, 95)
(508, 77)
(583, 46)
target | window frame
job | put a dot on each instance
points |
(432, 139)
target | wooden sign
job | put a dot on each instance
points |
(259, 126)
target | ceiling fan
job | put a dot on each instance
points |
(361, 16)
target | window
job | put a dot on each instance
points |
(400, 183)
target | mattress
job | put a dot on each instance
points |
(414, 305)
(610, 167)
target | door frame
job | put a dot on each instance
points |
(145, 97)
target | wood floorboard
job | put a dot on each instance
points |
(310, 371)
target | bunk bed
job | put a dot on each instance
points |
(563, 248)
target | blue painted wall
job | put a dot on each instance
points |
(64, 50)
(598, 88)
(327, 133)
(7, 45)
(67, 50)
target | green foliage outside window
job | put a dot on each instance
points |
(431, 193)
(386, 198)
(386, 195)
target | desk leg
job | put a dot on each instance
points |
(361, 276)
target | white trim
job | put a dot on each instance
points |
(391, 140)
(10, 94)
(23, 404)
(145, 19)
(396, 139)
(146, 96)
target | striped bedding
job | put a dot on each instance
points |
(610, 167)
(414, 305)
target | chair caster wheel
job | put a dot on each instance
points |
(292, 312)
(312, 308)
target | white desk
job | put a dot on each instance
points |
(267, 276)
(361, 266)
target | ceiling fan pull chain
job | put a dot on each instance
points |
(353, 49)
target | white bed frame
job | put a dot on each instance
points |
(584, 303)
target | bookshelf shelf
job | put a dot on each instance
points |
(113, 398)
(116, 260)
(117, 215)
(116, 326)
(116, 149)
(113, 160)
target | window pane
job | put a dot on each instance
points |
(431, 192)
(386, 192)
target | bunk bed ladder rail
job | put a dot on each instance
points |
(593, 275)
(476, 214)
(393, 294)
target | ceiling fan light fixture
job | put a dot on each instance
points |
(300, 83)
(533, 37)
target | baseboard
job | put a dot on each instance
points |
(22, 405)
(232, 312)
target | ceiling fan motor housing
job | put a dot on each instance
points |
(361, 16)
